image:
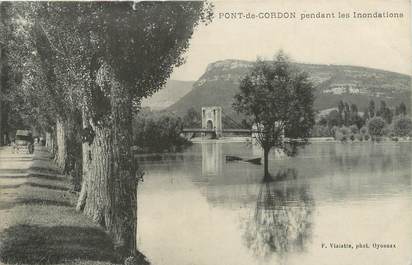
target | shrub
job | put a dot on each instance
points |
(364, 130)
(342, 134)
(376, 127)
(402, 126)
(339, 136)
(387, 131)
(345, 131)
(354, 129)
(333, 131)
(158, 132)
(366, 137)
(320, 131)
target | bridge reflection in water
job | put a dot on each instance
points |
(212, 159)
(226, 213)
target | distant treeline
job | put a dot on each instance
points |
(346, 122)
(157, 132)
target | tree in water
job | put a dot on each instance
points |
(279, 100)
(282, 219)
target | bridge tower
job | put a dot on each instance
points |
(212, 119)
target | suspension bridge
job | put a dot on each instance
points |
(212, 124)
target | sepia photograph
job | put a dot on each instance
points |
(206, 132)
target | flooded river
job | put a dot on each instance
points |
(332, 204)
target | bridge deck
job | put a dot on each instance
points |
(194, 130)
(201, 130)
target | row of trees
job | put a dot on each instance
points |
(374, 129)
(347, 117)
(84, 67)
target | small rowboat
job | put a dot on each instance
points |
(233, 158)
(256, 161)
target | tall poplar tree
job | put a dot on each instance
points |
(125, 51)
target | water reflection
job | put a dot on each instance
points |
(198, 209)
(211, 159)
(281, 220)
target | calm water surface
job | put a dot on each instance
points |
(194, 208)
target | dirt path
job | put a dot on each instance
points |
(38, 223)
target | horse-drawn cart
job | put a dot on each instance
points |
(23, 142)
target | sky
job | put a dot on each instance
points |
(383, 43)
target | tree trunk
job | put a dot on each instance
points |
(50, 142)
(61, 152)
(86, 159)
(1, 100)
(266, 161)
(3, 17)
(98, 174)
(122, 218)
(109, 190)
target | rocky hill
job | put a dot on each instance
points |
(358, 85)
(168, 95)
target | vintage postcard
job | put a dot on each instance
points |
(227, 132)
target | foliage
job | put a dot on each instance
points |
(354, 129)
(371, 109)
(94, 58)
(334, 119)
(348, 115)
(24, 94)
(141, 42)
(363, 130)
(321, 131)
(343, 134)
(333, 130)
(43, 94)
(280, 99)
(376, 126)
(385, 112)
(345, 115)
(363, 133)
(158, 132)
(402, 126)
(140, 45)
(192, 118)
(400, 109)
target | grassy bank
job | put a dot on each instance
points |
(39, 225)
